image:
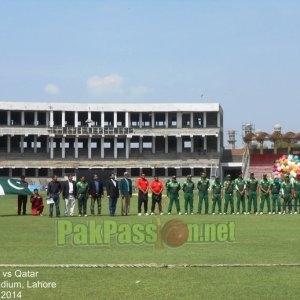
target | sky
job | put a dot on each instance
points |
(244, 55)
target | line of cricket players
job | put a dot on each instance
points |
(280, 196)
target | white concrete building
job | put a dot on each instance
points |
(39, 139)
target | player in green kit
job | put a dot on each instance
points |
(82, 195)
(216, 191)
(240, 187)
(286, 194)
(228, 188)
(252, 189)
(188, 190)
(275, 191)
(265, 188)
(173, 188)
(203, 185)
(296, 193)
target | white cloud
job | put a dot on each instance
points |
(52, 89)
(138, 92)
(110, 83)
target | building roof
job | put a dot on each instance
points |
(119, 107)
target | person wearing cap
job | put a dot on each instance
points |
(143, 186)
(173, 188)
(252, 191)
(286, 194)
(203, 185)
(265, 187)
(216, 190)
(156, 186)
(188, 190)
(275, 191)
(126, 193)
(296, 193)
(240, 187)
(228, 188)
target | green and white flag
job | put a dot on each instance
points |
(13, 186)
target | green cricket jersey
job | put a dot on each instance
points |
(173, 188)
(240, 184)
(275, 187)
(265, 184)
(188, 187)
(296, 185)
(82, 187)
(216, 187)
(252, 184)
(203, 185)
(287, 188)
(230, 188)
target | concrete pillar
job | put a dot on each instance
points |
(63, 147)
(218, 144)
(76, 118)
(179, 144)
(115, 147)
(102, 119)
(48, 144)
(166, 172)
(36, 173)
(102, 147)
(205, 143)
(8, 118)
(22, 118)
(47, 118)
(179, 120)
(166, 119)
(51, 122)
(192, 144)
(89, 147)
(51, 148)
(8, 144)
(141, 144)
(127, 122)
(76, 147)
(192, 171)
(63, 119)
(153, 144)
(22, 143)
(153, 120)
(35, 143)
(166, 144)
(115, 119)
(127, 148)
(192, 120)
(140, 119)
(219, 119)
(10, 172)
(35, 119)
(178, 172)
(204, 119)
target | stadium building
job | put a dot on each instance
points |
(41, 139)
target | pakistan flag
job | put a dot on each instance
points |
(13, 186)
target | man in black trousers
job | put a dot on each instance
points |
(112, 190)
(22, 199)
(53, 191)
(96, 192)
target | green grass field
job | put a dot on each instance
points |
(267, 239)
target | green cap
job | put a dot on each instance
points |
(174, 177)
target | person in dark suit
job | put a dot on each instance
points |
(96, 192)
(126, 193)
(69, 192)
(112, 190)
(22, 199)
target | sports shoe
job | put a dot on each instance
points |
(295, 213)
(237, 213)
(244, 213)
(192, 213)
(224, 213)
(79, 215)
(152, 214)
(283, 213)
(139, 214)
(169, 213)
(233, 213)
(279, 213)
(261, 213)
(85, 215)
(220, 213)
(256, 213)
(161, 213)
(213, 213)
(269, 212)
(180, 213)
(185, 213)
(146, 214)
(273, 213)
